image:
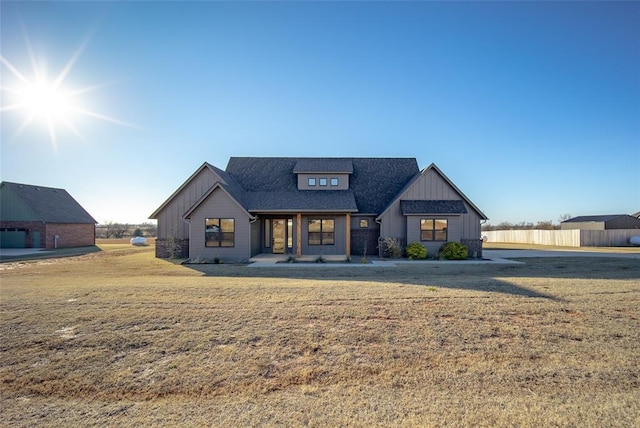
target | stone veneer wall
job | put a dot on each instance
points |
(474, 247)
(163, 253)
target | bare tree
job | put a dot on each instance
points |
(564, 217)
(116, 230)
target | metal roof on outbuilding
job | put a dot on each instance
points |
(598, 218)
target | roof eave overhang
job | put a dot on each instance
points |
(154, 215)
(432, 214)
(216, 186)
(293, 210)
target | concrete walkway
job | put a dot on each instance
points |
(490, 257)
(280, 261)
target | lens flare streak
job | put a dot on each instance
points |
(48, 102)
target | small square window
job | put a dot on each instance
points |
(364, 223)
(334, 181)
(312, 182)
(323, 181)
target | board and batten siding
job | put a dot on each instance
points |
(220, 205)
(170, 222)
(430, 186)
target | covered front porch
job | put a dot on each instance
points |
(302, 236)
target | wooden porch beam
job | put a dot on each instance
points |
(348, 234)
(298, 235)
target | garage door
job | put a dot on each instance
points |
(12, 239)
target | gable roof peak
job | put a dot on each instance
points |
(49, 204)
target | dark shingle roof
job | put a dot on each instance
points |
(316, 200)
(271, 183)
(432, 207)
(310, 165)
(598, 218)
(50, 205)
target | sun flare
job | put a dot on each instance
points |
(47, 103)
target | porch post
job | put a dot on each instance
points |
(298, 235)
(348, 234)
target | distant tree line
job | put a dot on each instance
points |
(541, 225)
(124, 230)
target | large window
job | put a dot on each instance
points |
(433, 229)
(219, 232)
(321, 231)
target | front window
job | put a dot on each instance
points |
(219, 232)
(334, 181)
(312, 182)
(323, 181)
(433, 229)
(321, 232)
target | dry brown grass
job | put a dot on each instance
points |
(120, 338)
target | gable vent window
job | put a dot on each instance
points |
(334, 181)
(312, 182)
(219, 232)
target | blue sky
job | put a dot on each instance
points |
(531, 108)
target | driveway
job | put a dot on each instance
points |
(16, 252)
(21, 254)
(516, 254)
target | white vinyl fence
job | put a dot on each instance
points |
(564, 238)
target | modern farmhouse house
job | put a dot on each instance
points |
(313, 206)
(42, 217)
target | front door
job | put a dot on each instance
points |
(279, 236)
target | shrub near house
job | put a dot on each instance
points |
(415, 251)
(454, 251)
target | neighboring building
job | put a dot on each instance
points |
(601, 222)
(636, 215)
(42, 217)
(314, 206)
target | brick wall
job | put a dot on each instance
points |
(70, 235)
